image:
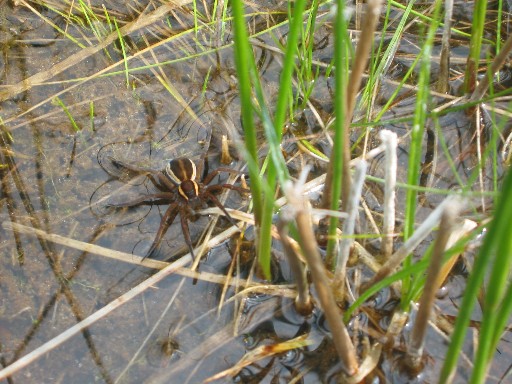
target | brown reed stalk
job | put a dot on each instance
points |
(303, 303)
(309, 247)
(362, 55)
(417, 340)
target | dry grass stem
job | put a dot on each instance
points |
(416, 342)
(260, 353)
(308, 244)
(40, 77)
(389, 140)
(417, 237)
(133, 259)
(90, 320)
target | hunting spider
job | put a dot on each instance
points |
(178, 187)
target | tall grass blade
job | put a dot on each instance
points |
(496, 249)
(123, 49)
(341, 63)
(419, 121)
(244, 62)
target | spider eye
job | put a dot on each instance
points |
(180, 170)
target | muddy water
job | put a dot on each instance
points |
(56, 178)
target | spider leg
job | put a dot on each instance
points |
(166, 222)
(122, 164)
(162, 182)
(186, 231)
(218, 187)
(208, 178)
(216, 201)
(155, 198)
(158, 179)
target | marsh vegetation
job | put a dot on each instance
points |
(373, 246)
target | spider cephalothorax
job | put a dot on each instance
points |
(182, 172)
(180, 189)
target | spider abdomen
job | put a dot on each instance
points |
(181, 170)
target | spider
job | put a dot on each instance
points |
(179, 188)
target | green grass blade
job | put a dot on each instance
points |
(419, 121)
(499, 229)
(56, 100)
(414, 269)
(243, 58)
(495, 295)
(121, 43)
(341, 64)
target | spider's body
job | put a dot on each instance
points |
(182, 172)
(181, 191)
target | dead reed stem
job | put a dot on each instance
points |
(303, 303)
(416, 343)
(308, 244)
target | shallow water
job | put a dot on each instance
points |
(60, 181)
